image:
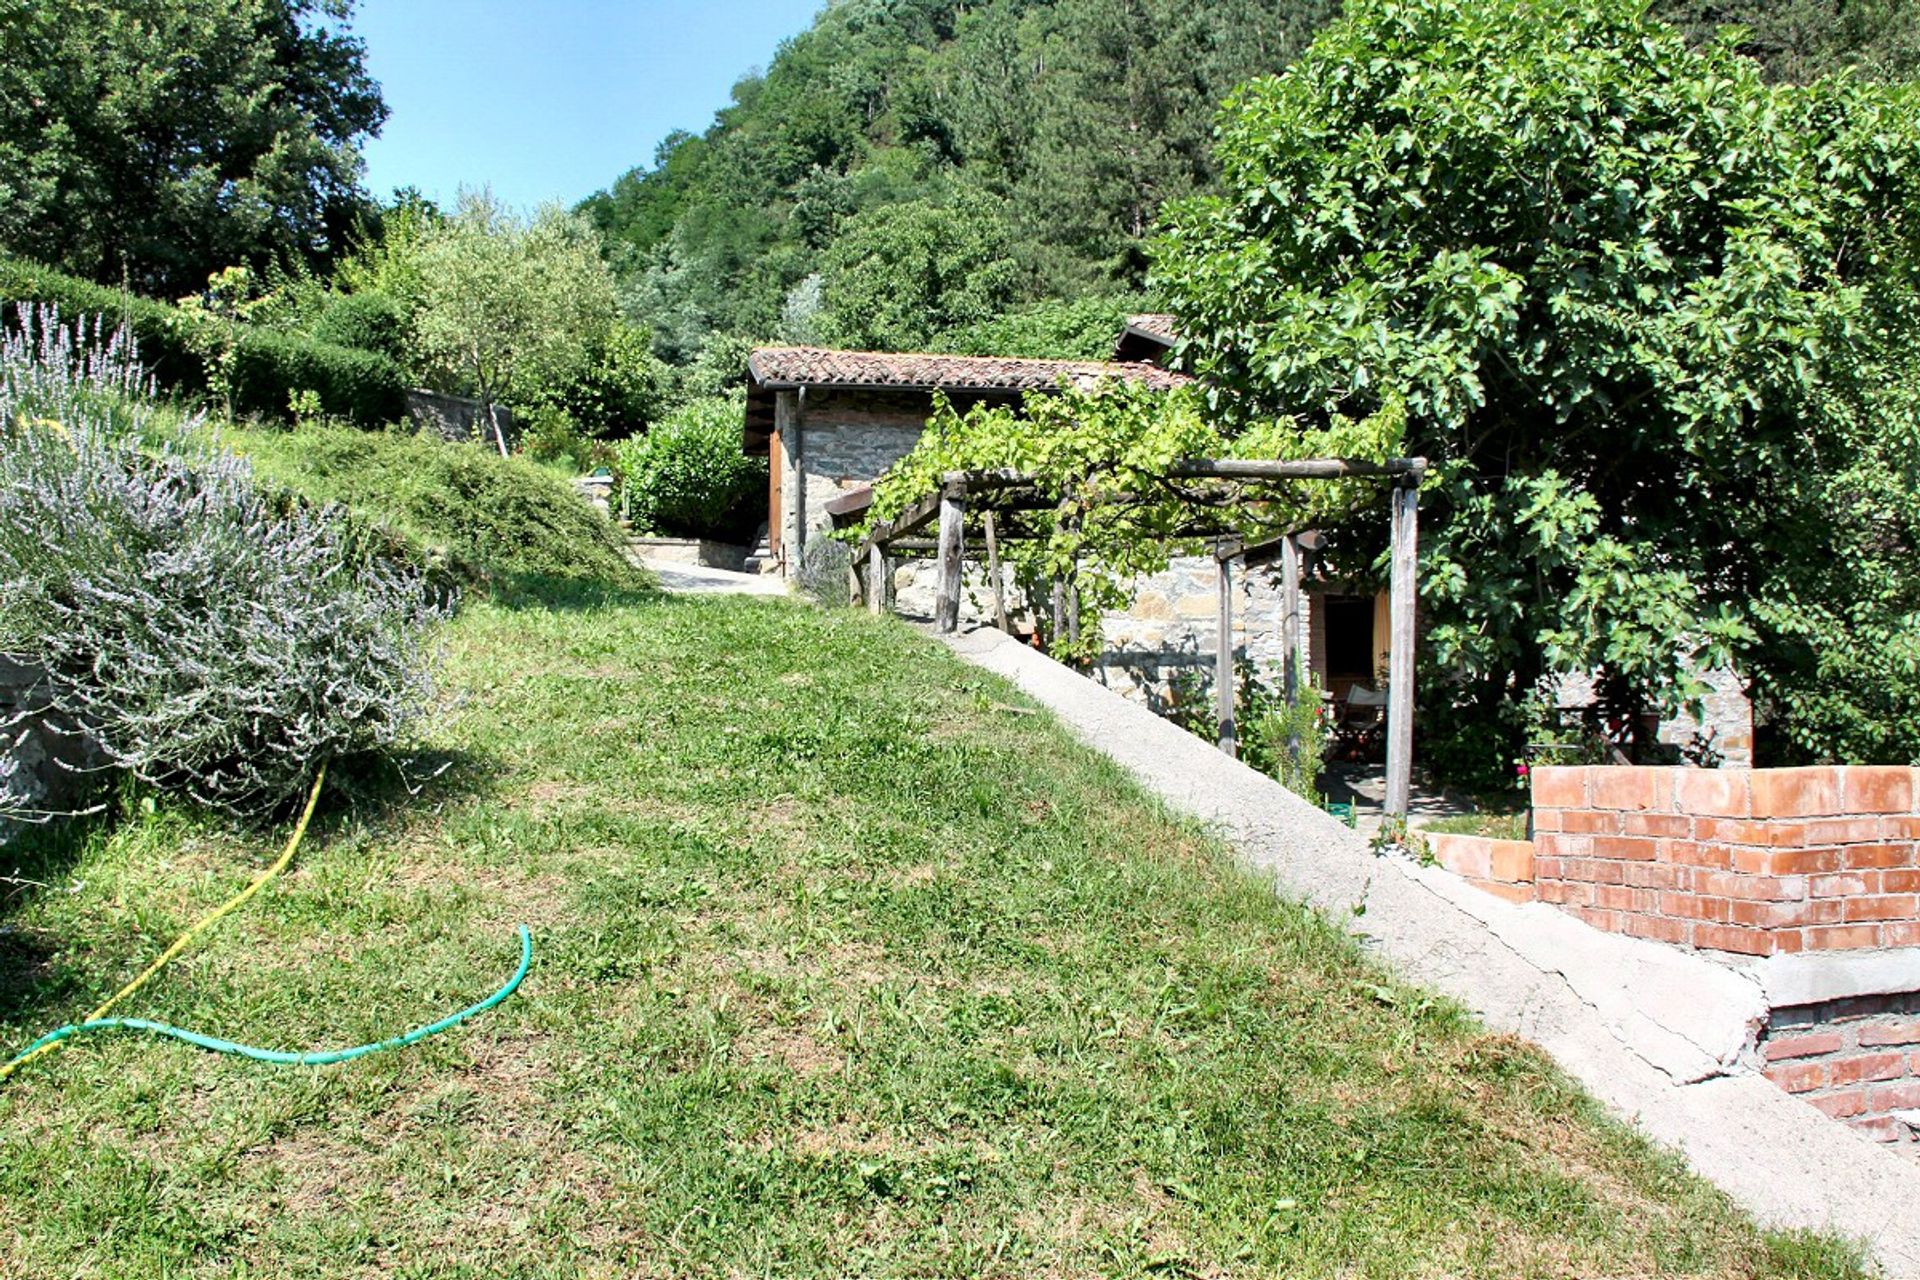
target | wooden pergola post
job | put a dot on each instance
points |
(993, 573)
(1402, 585)
(876, 579)
(1223, 655)
(953, 514)
(1290, 617)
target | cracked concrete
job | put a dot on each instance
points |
(1663, 1037)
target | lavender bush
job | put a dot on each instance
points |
(212, 637)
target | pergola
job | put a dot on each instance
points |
(1000, 498)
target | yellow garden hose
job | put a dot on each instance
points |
(205, 922)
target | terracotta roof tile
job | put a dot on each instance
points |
(1155, 325)
(822, 367)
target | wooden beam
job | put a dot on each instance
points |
(993, 574)
(1223, 662)
(1298, 469)
(876, 579)
(1403, 583)
(953, 514)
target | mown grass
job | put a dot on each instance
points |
(842, 970)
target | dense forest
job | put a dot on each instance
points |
(906, 172)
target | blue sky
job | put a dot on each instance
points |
(552, 99)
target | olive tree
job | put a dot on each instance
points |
(510, 306)
(1650, 316)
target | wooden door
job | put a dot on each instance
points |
(776, 457)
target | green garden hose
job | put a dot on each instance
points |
(274, 1055)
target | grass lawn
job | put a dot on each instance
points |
(841, 969)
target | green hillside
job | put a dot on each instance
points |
(961, 160)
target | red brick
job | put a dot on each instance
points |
(1658, 928)
(1656, 875)
(1843, 1104)
(1842, 937)
(1752, 862)
(1589, 822)
(1627, 848)
(1547, 820)
(1798, 1077)
(1878, 855)
(1843, 831)
(1618, 897)
(1900, 933)
(1633, 787)
(1503, 889)
(1512, 860)
(1733, 831)
(1728, 884)
(1667, 825)
(1693, 853)
(1896, 906)
(1878, 788)
(1748, 942)
(1881, 1128)
(1823, 911)
(1843, 885)
(1687, 906)
(1552, 892)
(1900, 880)
(1461, 854)
(1867, 1066)
(1898, 1096)
(1811, 1045)
(1558, 786)
(1800, 862)
(1796, 793)
(1725, 793)
(1900, 828)
(1767, 915)
(1552, 844)
(1596, 870)
(1876, 1033)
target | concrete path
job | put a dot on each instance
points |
(699, 579)
(1663, 1037)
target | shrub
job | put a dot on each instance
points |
(364, 322)
(486, 518)
(212, 637)
(360, 386)
(1287, 743)
(687, 477)
(164, 349)
(268, 366)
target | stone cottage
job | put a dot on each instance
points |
(829, 422)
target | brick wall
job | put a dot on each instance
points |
(1751, 861)
(1858, 1060)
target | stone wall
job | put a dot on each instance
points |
(1171, 627)
(1856, 1059)
(457, 418)
(836, 442)
(1758, 862)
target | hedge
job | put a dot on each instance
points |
(364, 387)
